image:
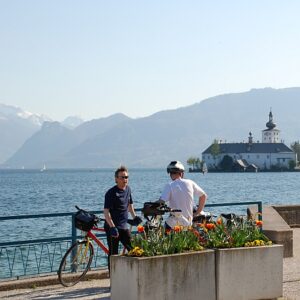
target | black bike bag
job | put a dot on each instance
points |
(85, 220)
(152, 209)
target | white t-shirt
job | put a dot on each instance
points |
(180, 193)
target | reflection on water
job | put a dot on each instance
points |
(54, 191)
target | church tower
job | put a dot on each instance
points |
(271, 134)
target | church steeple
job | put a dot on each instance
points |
(271, 134)
(250, 138)
(270, 124)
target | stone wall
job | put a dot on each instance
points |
(290, 213)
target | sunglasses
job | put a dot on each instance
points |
(123, 177)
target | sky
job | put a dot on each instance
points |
(94, 58)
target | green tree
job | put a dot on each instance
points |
(215, 149)
(198, 163)
(296, 148)
(192, 162)
(195, 162)
(227, 163)
(292, 164)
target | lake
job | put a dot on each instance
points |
(54, 191)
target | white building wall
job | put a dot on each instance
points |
(261, 160)
(271, 136)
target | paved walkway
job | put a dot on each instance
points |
(291, 270)
(100, 289)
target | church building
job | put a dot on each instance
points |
(271, 153)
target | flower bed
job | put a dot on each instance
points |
(224, 233)
(161, 241)
(177, 264)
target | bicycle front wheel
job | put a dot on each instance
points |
(75, 263)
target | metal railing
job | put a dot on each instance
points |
(37, 256)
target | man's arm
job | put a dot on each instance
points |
(108, 218)
(131, 210)
(202, 200)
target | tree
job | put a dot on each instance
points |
(296, 148)
(215, 149)
(198, 163)
(195, 162)
(192, 161)
(292, 164)
(227, 163)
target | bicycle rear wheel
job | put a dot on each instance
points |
(75, 263)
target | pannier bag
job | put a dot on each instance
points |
(152, 209)
(85, 220)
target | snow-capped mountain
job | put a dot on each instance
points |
(10, 112)
(16, 126)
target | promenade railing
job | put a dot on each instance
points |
(33, 257)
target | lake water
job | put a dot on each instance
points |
(53, 191)
(25, 192)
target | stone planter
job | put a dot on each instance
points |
(249, 273)
(170, 277)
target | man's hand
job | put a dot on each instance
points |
(114, 232)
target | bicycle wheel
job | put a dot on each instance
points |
(75, 263)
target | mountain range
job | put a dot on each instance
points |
(167, 135)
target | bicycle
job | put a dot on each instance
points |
(154, 211)
(78, 259)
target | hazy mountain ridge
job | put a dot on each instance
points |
(167, 135)
(16, 126)
(50, 144)
(72, 122)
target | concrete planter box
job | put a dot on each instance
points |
(169, 277)
(249, 273)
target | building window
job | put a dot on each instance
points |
(268, 156)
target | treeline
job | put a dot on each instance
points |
(296, 148)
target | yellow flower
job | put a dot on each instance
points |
(136, 251)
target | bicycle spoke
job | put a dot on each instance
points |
(75, 263)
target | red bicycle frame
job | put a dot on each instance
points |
(92, 236)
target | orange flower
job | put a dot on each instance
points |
(258, 223)
(219, 221)
(210, 226)
(168, 231)
(140, 228)
(177, 228)
(196, 233)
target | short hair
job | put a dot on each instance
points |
(120, 169)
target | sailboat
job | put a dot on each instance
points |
(43, 168)
(204, 168)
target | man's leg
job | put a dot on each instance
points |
(113, 247)
(124, 236)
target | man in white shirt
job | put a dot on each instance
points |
(179, 194)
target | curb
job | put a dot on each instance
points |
(34, 282)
